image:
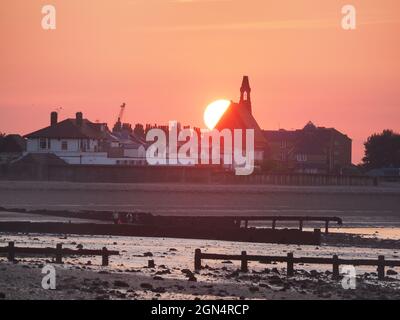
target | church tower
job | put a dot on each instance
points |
(245, 91)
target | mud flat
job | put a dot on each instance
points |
(356, 205)
(173, 277)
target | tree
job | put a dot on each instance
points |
(382, 150)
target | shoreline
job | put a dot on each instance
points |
(173, 277)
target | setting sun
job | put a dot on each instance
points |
(214, 112)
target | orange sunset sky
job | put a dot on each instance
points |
(168, 59)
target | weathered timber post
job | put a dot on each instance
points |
(243, 266)
(197, 259)
(290, 264)
(301, 225)
(326, 226)
(59, 253)
(381, 267)
(335, 267)
(151, 264)
(11, 251)
(104, 256)
(317, 234)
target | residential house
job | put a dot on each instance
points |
(309, 150)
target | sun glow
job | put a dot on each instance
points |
(214, 112)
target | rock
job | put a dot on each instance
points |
(192, 278)
(234, 274)
(391, 273)
(275, 280)
(120, 284)
(146, 286)
(103, 272)
(227, 262)
(159, 290)
(187, 272)
(172, 249)
(79, 246)
(254, 289)
(314, 273)
(147, 254)
(275, 270)
(158, 278)
(163, 272)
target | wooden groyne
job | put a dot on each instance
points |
(290, 260)
(143, 218)
(58, 252)
(213, 232)
(240, 221)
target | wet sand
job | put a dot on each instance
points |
(173, 277)
(372, 213)
(358, 206)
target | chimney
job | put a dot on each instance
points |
(79, 118)
(53, 118)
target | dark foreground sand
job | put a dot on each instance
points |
(23, 281)
(173, 277)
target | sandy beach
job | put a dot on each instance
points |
(173, 277)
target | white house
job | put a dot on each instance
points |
(76, 141)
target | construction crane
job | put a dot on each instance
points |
(118, 124)
(121, 112)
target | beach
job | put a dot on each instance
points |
(369, 231)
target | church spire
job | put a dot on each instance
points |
(245, 91)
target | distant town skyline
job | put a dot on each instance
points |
(167, 60)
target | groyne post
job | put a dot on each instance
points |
(197, 259)
(244, 267)
(59, 253)
(11, 251)
(104, 256)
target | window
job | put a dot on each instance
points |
(283, 144)
(43, 143)
(301, 157)
(83, 145)
(64, 145)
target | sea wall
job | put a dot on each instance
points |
(143, 174)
